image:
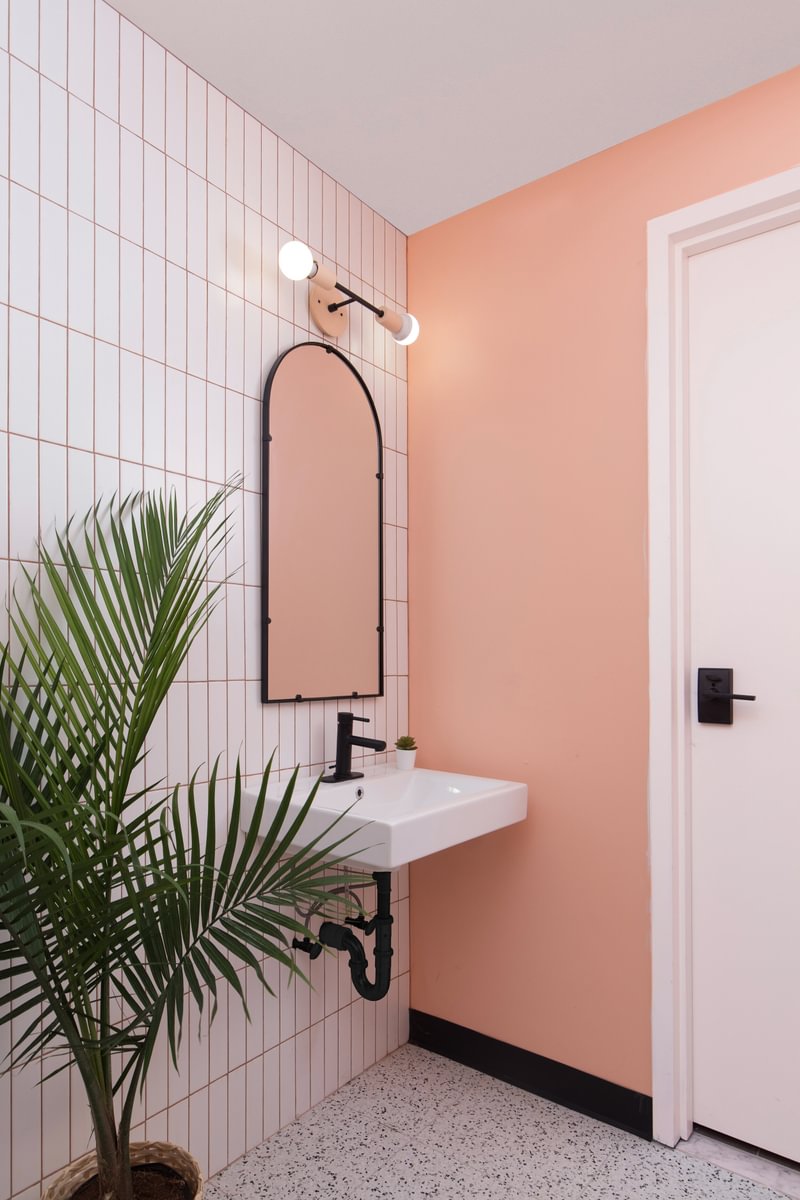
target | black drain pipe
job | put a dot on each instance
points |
(339, 937)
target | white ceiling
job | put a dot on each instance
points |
(424, 108)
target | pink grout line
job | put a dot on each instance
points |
(299, 333)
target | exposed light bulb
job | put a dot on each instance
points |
(296, 260)
(408, 332)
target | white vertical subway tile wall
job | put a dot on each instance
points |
(141, 213)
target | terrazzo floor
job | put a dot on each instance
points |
(417, 1125)
(743, 1161)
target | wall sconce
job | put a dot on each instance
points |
(329, 313)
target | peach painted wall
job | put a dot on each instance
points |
(528, 549)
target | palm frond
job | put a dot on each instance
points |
(105, 890)
(240, 909)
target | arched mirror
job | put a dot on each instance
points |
(322, 553)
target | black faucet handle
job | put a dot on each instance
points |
(345, 718)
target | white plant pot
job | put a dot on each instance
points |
(405, 759)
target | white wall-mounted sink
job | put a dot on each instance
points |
(396, 816)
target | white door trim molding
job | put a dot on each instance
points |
(671, 240)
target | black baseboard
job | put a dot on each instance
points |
(609, 1102)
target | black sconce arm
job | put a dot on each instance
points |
(353, 296)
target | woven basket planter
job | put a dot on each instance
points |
(164, 1154)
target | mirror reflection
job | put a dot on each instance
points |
(321, 526)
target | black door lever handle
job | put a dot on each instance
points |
(715, 707)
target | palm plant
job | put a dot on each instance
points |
(116, 900)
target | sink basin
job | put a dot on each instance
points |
(396, 816)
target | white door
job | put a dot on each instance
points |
(744, 503)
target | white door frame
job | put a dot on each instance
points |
(671, 241)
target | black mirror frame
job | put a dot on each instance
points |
(265, 448)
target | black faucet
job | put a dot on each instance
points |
(345, 740)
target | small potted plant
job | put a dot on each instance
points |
(405, 752)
